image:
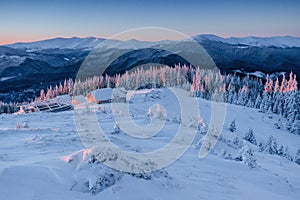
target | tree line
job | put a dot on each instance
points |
(273, 96)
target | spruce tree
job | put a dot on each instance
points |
(271, 146)
(278, 123)
(232, 126)
(250, 137)
(246, 155)
(296, 127)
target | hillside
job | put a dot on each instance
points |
(47, 159)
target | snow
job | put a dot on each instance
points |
(63, 99)
(102, 94)
(47, 160)
(263, 75)
(6, 78)
(10, 60)
(11, 57)
(275, 41)
(259, 74)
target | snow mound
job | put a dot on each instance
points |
(91, 175)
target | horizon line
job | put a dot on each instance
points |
(144, 40)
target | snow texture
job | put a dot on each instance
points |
(45, 158)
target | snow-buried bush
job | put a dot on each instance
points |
(91, 175)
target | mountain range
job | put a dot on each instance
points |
(32, 66)
(91, 42)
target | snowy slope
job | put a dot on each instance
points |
(47, 160)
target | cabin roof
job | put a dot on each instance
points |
(102, 94)
(106, 94)
(60, 103)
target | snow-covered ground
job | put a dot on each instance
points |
(47, 159)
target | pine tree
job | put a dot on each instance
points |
(250, 137)
(70, 86)
(286, 154)
(278, 123)
(246, 155)
(296, 127)
(271, 146)
(264, 106)
(65, 90)
(232, 126)
(42, 95)
(290, 83)
(281, 151)
(276, 87)
(258, 101)
(283, 85)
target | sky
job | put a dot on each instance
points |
(31, 20)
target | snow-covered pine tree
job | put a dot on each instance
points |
(250, 137)
(278, 123)
(49, 93)
(258, 101)
(276, 87)
(232, 126)
(65, 90)
(55, 91)
(264, 106)
(281, 151)
(243, 96)
(70, 86)
(60, 89)
(42, 95)
(246, 155)
(271, 146)
(283, 85)
(296, 127)
(275, 106)
(286, 153)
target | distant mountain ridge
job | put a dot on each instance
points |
(275, 41)
(36, 65)
(58, 43)
(91, 42)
